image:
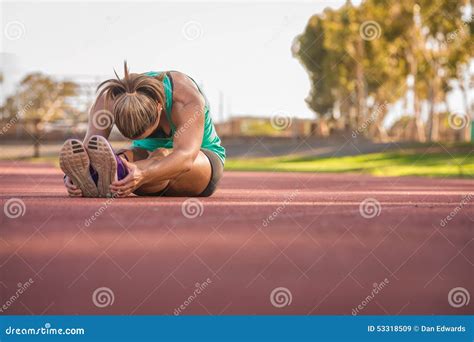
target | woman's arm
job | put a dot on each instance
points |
(188, 105)
(101, 119)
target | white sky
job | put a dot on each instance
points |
(242, 48)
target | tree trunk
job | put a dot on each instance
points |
(379, 113)
(360, 78)
(419, 126)
(36, 136)
(36, 153)
(433, 118)
(439, 95)
(384, 137)
(323, 128)
(353, 113)
(466, 134)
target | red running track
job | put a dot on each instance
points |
(316, 245)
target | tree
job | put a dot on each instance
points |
(362, 59)
(39, 99)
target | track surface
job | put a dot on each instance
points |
(318, 246)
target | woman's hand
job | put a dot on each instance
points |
(72, 190)
(130, 183)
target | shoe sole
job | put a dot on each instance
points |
(103, 160)
(74, 162)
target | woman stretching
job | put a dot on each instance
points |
(175, 149)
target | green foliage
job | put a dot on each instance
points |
(40, 99)
(360, 57)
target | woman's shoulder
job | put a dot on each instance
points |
(183, 85)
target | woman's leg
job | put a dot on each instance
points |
(191, 183)
(156, 188)
(137, 154)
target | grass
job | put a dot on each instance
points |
(399, 163)
(455, 160)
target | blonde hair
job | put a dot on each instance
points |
(136, 98)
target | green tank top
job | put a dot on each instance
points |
(210, 139)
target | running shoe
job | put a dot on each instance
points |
(106, 163)
(75, 163)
